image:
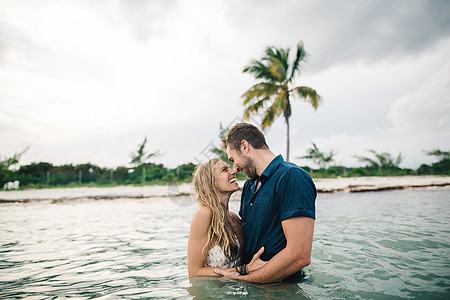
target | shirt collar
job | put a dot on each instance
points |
(271, 168)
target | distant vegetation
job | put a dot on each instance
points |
(378, 164)
(39, 175)
(43, 174)
(440, 167)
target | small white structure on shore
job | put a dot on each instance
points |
(11, 185)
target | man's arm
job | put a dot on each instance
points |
(296, 255)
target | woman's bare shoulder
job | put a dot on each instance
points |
(204, 212)
(202, 215)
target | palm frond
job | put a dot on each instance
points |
(283, 57)
(368, 160)
(383, 157)
(278, 69)
(281, 54)
(270, 52)
(269, 117)
(262, 89)
(281, 101)
(438, 153)
(309, 95)
(254, 108)
(271, 113)
(399, 159)
(7, 162)
(300, 56)
(259, 71)
(286, 57)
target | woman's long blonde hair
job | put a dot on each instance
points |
(221, 231)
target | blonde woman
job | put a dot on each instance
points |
(215, 237)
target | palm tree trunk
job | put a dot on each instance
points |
(287, 139)
(143, 175)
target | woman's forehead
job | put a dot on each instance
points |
(220, 163)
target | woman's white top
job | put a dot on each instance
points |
(217, 259)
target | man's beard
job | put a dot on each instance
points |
(250, 169)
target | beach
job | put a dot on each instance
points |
(323, 185)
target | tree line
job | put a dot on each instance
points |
(376, 164)
(45, 174)
(142, 171)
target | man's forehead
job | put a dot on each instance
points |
(228, 149)
(229, 152)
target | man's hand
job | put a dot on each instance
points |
(256, 262)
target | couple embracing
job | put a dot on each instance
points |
(271, 238)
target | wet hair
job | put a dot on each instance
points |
(221, 231)
(244, 131)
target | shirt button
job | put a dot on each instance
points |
(251, 204)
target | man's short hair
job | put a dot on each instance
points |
(244, 131)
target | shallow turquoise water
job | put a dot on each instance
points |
(383, 245)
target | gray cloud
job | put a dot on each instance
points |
(342, 30)
(377, 29)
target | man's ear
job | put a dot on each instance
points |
(244, 146)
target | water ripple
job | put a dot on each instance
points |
(373, 246)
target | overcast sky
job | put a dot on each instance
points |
(86, 81)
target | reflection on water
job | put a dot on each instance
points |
(372, 245)
(207, 288)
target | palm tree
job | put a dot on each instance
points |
(383, 160)
(6, 164)
(438, 153)
(141, 157)
(219, 152)
(321, 159)
(274, 90)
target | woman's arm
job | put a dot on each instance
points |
(196, 255)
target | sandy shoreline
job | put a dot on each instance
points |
(368, 184)
(326, 185)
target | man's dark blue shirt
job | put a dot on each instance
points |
(286, 191)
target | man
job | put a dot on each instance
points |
(277, 208)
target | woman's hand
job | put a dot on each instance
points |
(256, 262)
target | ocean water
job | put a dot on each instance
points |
(381, 245)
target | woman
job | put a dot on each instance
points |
(215, 238)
